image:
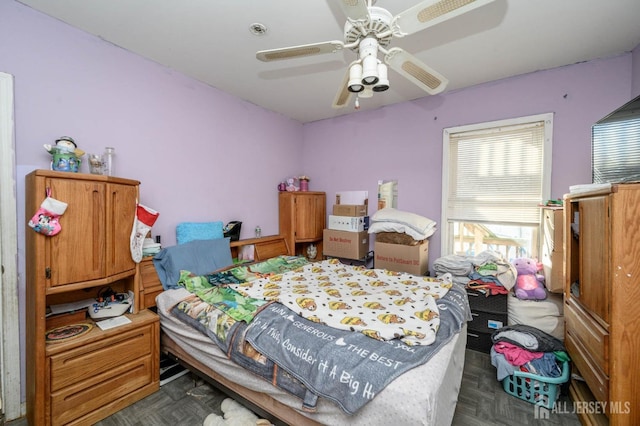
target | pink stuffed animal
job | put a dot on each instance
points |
(529, 284)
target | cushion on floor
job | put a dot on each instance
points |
(546, 315)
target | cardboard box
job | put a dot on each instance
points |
(387, 194)
(345, 244)
(353, 210)
(352, 197)
(402, 258)
(348, 223)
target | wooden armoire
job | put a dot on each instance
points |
(83, 379)
(602, 302)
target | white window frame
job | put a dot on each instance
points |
(447, 243)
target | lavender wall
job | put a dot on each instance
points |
(202, 154)
(404, 141)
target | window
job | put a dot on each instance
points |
(615, 143)
(495, 175)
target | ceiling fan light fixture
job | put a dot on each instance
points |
(355, 78)
(370, 70)
(383, 80)
(366, 93)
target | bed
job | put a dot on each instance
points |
(418, 383)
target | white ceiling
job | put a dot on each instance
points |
(210, 41)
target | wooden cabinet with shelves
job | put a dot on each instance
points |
(552, 254)
(302, 220)
(73, 381)
(601, 291)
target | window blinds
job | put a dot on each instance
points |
(495, 175)
(616, 151)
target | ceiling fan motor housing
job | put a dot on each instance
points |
(379, 23)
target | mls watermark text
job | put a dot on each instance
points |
(583, 407)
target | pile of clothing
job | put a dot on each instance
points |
(150, 248)
(488, 272)
(524, 348)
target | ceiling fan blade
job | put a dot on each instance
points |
(343, 97)
(415, 71)
(300, 51)
(431, 12)
(355, 9)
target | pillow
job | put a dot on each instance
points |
(190, 231)
(420, 224)
(401, 228)
(199, 256)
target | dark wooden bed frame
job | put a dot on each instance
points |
(261, 403)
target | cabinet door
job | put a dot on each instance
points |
(594, 255)
(121, 205)
(310, 212)
(77, 253)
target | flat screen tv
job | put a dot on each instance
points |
(615, 145)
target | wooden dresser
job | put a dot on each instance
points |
(83, 379)
(602, 302)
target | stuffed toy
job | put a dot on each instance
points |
(234, 415)
(529, 284)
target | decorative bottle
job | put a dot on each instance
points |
(109, 152)
(258, 231)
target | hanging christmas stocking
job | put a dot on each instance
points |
(144, 220)
(46, 220)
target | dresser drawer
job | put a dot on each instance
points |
(479, 341)
(487, 322)
(92, 394)
(150, 285)
(598, 381)
(480, 302)
(100, 356)
(148, 274)
(589, 334)
(149, 297)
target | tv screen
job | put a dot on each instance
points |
(615, 145)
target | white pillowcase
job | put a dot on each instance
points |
(420, 224)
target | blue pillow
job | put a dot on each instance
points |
(198, 256)
(190, 231)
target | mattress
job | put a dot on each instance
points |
(438, 380)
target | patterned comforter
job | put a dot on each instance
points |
(382, 304)
(397, 318)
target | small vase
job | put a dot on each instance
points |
(304, 185)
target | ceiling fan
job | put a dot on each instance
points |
(368, 31)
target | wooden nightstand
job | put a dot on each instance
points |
(150, 285)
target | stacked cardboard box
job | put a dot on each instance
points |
(413, 259)
(347, 236)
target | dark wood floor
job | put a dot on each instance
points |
(188, 400)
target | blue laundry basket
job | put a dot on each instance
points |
(536, 389)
